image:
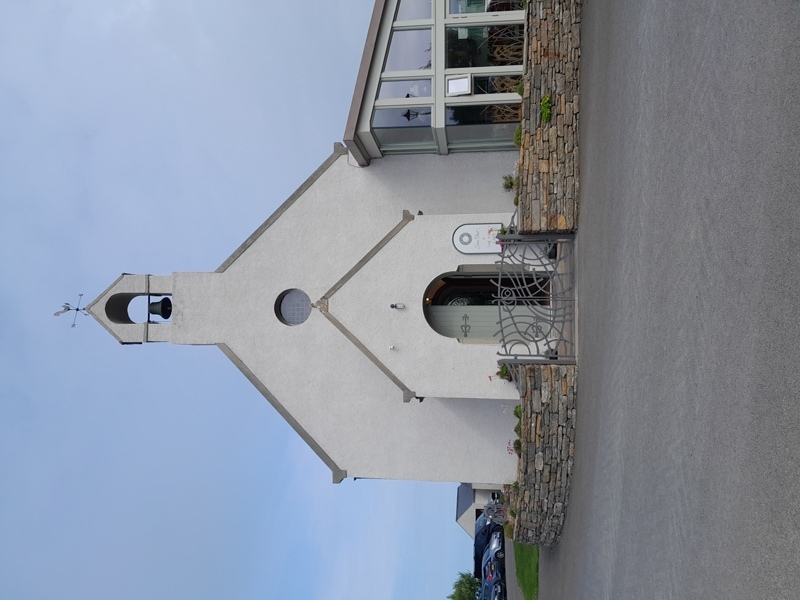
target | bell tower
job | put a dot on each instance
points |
(110, 309)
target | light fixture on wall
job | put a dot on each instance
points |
(397, 306)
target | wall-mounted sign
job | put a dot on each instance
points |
(477, 238)
(459, 85)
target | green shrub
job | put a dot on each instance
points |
(504, 373)
(545, 109)
(518, 428)
(521, 89)
(508, 530)
(518, 411)
(510, 182)
(518, 446)
(518, 136)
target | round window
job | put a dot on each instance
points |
(293, 307)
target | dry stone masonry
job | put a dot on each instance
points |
(548, 168)
(549, 191)
(547, 436)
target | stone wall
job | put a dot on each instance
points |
(548, 169)
(547, 435)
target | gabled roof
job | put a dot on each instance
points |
(465, 498)
(338, 150)
(337, 472)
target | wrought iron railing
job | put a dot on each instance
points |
(536, 298)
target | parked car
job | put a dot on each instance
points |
(493, 569)
(484, 529)
(495, 592)
(493, 564)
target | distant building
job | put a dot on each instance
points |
(471, 500)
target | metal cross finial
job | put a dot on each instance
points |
(67, 307)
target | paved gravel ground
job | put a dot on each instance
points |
(687, 477)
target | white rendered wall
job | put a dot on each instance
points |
(342, 400)
(356, 415)
(427, 362)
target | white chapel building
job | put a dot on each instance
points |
(374, 338)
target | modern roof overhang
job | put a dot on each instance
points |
(366, 71)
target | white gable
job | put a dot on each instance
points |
(354, 234)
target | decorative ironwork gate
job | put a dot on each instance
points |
(536, 299)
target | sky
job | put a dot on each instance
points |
(153, 136)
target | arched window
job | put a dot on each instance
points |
(463, 304)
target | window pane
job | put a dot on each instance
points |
(294, 307)
(496, 84)
(403, 127)
(483, 113)
(482, 126)
(414, 88)
(409, 50)
(414, 9)
(416, 116)
(469, 6)
(421, 137)
(490, 46)
(500, 135)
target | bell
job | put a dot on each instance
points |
(162, 308)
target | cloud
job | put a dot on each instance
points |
(153, 137)
(365, 558)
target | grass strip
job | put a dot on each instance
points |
(527, 558)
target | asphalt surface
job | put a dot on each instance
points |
(687, 467)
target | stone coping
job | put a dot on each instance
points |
(548, 170)
(547, 450)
